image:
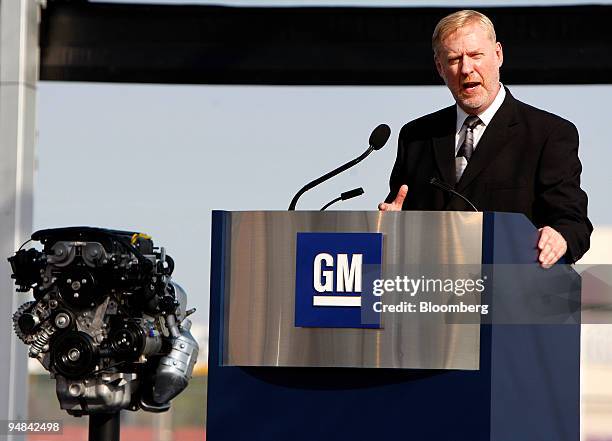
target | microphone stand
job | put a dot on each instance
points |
(344, 196)
(445, 187)
(328, 176)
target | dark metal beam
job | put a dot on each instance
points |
(106, 42)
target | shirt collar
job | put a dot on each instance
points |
(488, 114)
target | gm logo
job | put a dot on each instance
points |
(348, 279)
(334, 275)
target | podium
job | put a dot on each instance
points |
(409, 378)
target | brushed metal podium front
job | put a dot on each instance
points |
(260, 292)
(415, 379)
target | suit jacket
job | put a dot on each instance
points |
(525, 162)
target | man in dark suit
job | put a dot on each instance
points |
(500, 153)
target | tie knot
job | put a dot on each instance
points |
(472, 121)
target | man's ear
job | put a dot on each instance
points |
(500, 53)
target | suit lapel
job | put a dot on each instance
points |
(444, 145)
(496, 137)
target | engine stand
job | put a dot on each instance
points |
(104, 427)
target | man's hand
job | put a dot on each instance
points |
(396, 205)
(552, 246)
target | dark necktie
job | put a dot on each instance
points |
(467, 148)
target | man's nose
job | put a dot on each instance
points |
(467, 66)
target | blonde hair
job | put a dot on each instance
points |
(456, 20)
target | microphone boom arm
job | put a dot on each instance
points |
(445, 187)
(328, 176)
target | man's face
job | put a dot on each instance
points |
(468, 62)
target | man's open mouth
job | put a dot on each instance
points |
(470, 86)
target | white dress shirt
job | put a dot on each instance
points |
(485, 117)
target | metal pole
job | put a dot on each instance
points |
(19, 20)
(104, 427)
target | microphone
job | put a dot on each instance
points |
(378, 138)
(344, 196)
(445, 187)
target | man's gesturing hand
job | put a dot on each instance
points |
(552, 246)
(396, 205)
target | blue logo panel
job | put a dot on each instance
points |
(334, 278)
